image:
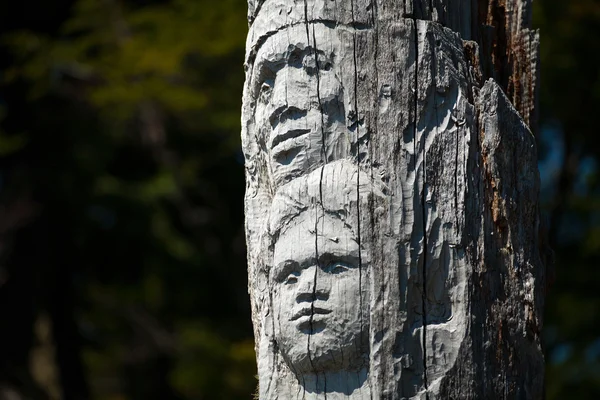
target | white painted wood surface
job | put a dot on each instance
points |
(392, 200)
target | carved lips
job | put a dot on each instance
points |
(306, 319)
(288, 140)
(308, 311)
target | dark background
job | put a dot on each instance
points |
(122, 257)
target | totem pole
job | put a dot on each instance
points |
(392, 201)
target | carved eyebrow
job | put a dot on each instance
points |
(306, 51)
(351, 258)
(266, 68)
(286, 267)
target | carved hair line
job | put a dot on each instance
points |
(257, 37)
(333, 189)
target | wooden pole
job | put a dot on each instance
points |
(392, 199)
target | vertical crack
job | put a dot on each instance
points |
(358, 181)
(315, 54)
(314, 288)
(275, 353)
(435, 132)
(358, 206)
(323, 136)
(457, 138)
(359, 240)
(306, 21)
(423, 210)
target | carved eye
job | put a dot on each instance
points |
(265, 91)
(337, 267)
(291, 279)
(325, 66)
(294, 59)
(310, 65)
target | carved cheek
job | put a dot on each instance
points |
(329, 86)
(337, 282)
(349, 289)
(263, 110)
(277, 307)
(283, 301)
(289, 297)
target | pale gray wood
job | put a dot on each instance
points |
(391, 202)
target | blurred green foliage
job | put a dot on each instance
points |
(570, 99)
(120, 137)
(121, 187)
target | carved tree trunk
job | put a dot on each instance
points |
(392, 199)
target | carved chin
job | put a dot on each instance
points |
(326, 351)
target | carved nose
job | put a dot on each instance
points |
(307, 291)
(286, 101)
(279, 99)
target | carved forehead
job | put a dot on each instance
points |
(337, 188)
(318, 36)
(330, 187)
(271, 16)
(328, 226)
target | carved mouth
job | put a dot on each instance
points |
(288, 140)
(307, 312)
(309, 327)
(290, 134)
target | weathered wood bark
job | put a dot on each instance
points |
(392, 199)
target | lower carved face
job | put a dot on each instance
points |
(319, 301)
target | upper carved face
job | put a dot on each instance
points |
(299, 111)
(320, 301)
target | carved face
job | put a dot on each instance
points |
(320, 301)
(299, 110)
